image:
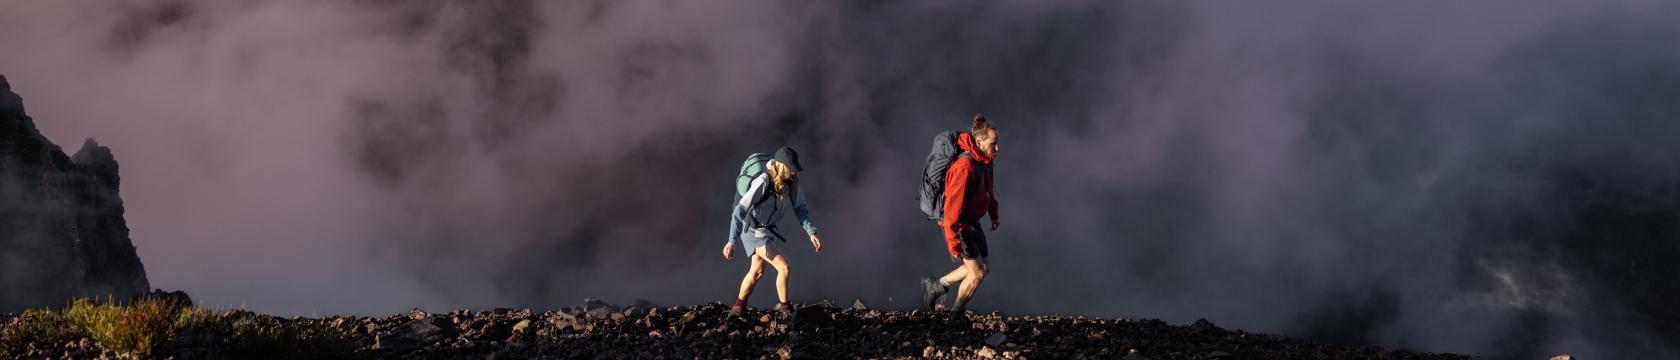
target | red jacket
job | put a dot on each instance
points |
(968, 192)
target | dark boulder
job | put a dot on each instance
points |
(417, 333)
(1203, 326)
(593, 303)
(997, 339)
(643, 303)
(600, 313)
(177, 298)
(812, 316)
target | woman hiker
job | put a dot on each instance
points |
(772, 189)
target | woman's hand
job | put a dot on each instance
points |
(729, 251)
(816, 242)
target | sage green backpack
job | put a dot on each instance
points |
(749, 170)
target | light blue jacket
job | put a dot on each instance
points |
(767, 212)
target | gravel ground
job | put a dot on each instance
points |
(598, 330)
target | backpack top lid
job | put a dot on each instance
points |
(750, 169)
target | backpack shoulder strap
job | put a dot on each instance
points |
(752, 221)
(767, 193)
(977, 164)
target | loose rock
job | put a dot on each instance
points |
(997, 339)
(416, 333)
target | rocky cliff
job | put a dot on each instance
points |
(62, 233)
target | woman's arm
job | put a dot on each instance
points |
(804, 214)
(805, 218)
(735, 212)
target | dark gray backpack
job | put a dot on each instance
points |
(932, 192)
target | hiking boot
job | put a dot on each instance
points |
(959, 317)
(932, 293)
(735, 312)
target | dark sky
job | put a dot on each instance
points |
(1493, 178)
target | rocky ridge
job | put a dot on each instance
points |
(598, 330)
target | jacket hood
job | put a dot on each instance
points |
(966, 142)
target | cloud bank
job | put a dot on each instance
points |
(1492, 178)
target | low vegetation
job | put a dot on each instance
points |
(148, 325)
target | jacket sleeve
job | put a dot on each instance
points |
(804, 214)
(993, 210)
(956, 184)
(735, 212)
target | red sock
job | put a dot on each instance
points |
(740, 302)
(786, 305)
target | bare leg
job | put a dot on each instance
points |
(973, 272)
(769, 253)
(957, 276)
(753, 274)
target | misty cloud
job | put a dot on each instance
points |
(1493, 179)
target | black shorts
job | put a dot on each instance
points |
(973, 245)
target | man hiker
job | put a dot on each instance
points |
(967, 195)
(766, 186)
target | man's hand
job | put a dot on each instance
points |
(729, 251)
(816, 242)
(994, 224)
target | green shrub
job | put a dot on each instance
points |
(143, 326)
(39, 327)
(137, 328)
